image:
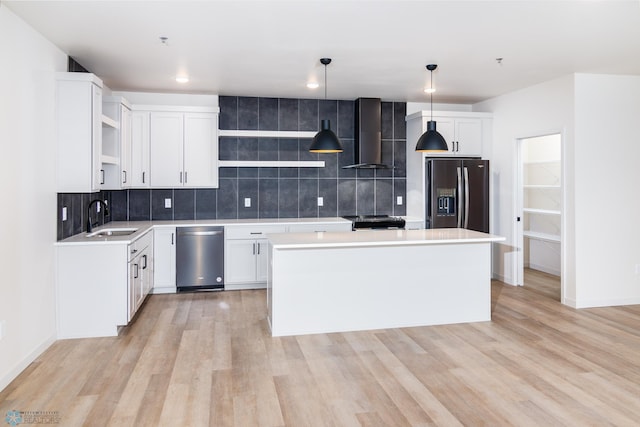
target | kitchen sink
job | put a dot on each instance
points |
(112, 232)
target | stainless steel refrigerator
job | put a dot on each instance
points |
(457, 194)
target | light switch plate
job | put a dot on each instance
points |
(167, 203)
(399, 200)
(247, 202)
(320, 201)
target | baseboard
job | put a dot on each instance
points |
(504, 279)
(607, 302)
(544, 269)
(22, 365)
(167, 290)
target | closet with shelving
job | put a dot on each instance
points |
(542, 202)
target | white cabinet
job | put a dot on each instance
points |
(164, 253)
(246, 255)
(184, 149)
(139, 159)
(140, 272)
(79, 112)
(99, 287)
(116, 144)
(463, 134)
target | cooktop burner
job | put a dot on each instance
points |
(375, 221)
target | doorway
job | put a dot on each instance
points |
(539, 208)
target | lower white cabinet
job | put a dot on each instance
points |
(164, 253)
(319, 227)
(140, 272)
(246, 255)
(96, 292)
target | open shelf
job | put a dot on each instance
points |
(110, 160)
(271, 163)
(542, 211)
(108, 121)
(542, 236)
(268, 133)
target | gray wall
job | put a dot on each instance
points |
(274, 192)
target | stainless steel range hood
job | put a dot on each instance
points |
(368, 140)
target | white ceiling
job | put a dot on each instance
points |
(379, 48)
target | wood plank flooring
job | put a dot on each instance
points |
(207, 359)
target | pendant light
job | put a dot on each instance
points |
(325, 140)
(431, 141)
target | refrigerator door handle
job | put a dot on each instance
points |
(466, 197)
(458, 197)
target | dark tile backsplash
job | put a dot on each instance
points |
(274, 192)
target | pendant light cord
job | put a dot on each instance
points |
(431, 94)
(325, 81)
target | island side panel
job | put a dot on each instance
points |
(337, 289)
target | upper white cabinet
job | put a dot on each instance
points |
(463, 131)
(79, 109)
(139, 160)
(116, 144)
(183, 149)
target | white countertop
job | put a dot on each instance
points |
(144, 226)
(380, 238)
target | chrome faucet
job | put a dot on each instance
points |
(91, 203)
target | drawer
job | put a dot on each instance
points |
(145, 241)
(252, 231)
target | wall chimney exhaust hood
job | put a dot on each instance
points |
(368, 142)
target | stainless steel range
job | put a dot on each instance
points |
(375, 222)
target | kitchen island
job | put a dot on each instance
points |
(348, 281)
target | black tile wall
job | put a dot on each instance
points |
(274, 192)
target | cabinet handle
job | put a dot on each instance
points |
(172, 238)
(256, 232)
(254, 248)
(136, 274)
(143, 177)
(133, 251)
(185, 177)
(258, 248)
(101, 176)
(144, 261)
(180, 177)
(124, 177)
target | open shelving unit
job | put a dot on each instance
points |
(542, 203)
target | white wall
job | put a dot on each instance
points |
(538, 110)
(607, 198)
(27, 185)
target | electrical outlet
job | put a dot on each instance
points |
(320, 201)
(167, 203)
(247, 202)
(399, 200)
(64, 213)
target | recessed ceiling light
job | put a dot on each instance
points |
(182, 79)
(429, 90)
(313, 85)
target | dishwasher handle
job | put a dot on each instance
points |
(201, 233)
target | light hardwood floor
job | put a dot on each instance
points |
(207, 359)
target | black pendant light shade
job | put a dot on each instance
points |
(325, 140)
(431, 141)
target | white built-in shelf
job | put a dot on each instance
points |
(542, 211)
(542, 236)
(268, 133)
(271, 163)
(542, 186)
(108, 121)
(110, 160)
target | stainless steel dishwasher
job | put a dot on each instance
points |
(199, 258)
